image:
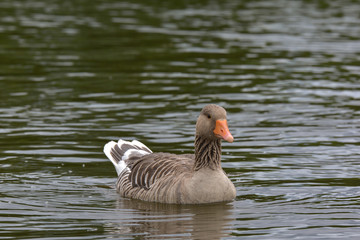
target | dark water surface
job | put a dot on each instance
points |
(76, 74)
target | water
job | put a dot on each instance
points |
(75, 75)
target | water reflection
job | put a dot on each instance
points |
(158, 221)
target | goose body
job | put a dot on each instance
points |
(170, 178)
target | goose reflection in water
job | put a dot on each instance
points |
(157, 220)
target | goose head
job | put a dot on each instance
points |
(212, 124)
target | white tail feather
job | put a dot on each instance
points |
(140, 145)
(133, 149)
(119, 166)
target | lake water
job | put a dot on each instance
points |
(76, 74)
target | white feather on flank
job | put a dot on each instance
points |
(121, 165)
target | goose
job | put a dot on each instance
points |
(176, 179)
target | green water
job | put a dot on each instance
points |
(76, 74)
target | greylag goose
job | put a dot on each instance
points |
(170, 178)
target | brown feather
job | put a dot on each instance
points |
(157, 165)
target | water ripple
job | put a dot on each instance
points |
(75, 76)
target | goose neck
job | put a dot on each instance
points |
(207, 153)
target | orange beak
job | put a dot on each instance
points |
(221, 130)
